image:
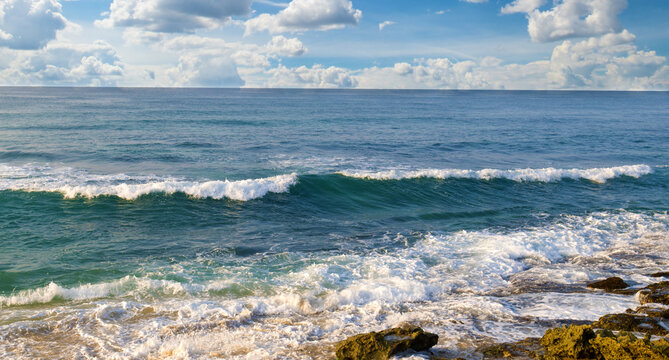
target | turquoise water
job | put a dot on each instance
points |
(268, 223)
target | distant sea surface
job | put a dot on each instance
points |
(252, 224)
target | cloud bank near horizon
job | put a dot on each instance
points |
(174, 43)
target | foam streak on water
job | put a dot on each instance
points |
(598, 175)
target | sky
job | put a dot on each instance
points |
(418, 44)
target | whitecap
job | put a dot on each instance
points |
(598, 175)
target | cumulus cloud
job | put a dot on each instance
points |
(207, 70)
(303, 15)
(610, 62)
(213, 62)
(29, 24)
(283, 46)
(569, 18)
(95, 64)
(173, 16)
(316, 76)
(522, 6)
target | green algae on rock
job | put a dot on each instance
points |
(571, 342)
(626, 346)
(612, 283)
(381, 345)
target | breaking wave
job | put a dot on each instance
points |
(72, 183)
(598, 175)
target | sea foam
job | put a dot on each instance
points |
(598, 175)
(72, 183)
(445, 281)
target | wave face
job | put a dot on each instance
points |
(598, 175)
(72, 183)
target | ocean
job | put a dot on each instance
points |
(270, 224)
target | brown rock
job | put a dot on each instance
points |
(630, 322)
(529, 348)
(612, 283)
(655, 293)
(381, 345)
(661, 274)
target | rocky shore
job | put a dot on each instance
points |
(639, 334)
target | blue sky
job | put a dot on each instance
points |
(447, 44)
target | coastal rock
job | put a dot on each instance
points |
(610, 284)
(529, 348)
(381, 345)
(654, 312)
(571, 342)
(626, 346)
(660, 274)
(630, 322)
(581, 342)
(655, 293)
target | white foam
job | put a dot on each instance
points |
(598, 175)
(72, 183)
(445, 282)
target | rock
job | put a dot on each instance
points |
(654, 312)
(610, 284)
(381, 345)
(626, 346)
(630, 322)
(660, 274)
(571, 342)
(655, 293)
(529, 348)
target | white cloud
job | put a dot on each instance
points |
(569, 18)
(173, 16)
(207, 70)
(95, 64)
(213, 62)
(29, 24)
(522, 6)
(303, 15)
(610, 62)
(283, 46)
(316, 76)
(385, 23)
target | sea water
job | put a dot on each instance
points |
(252, 224)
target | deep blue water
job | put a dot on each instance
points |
(121, 194)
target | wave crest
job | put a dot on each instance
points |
(72, 183)
(598, 175)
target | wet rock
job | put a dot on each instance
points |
(383, 344)
(660, 274)
(571, 342)
(626, 346)
(529, 348)
(655, 293)
(654, 312)
(610, 284)
(630, 322)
